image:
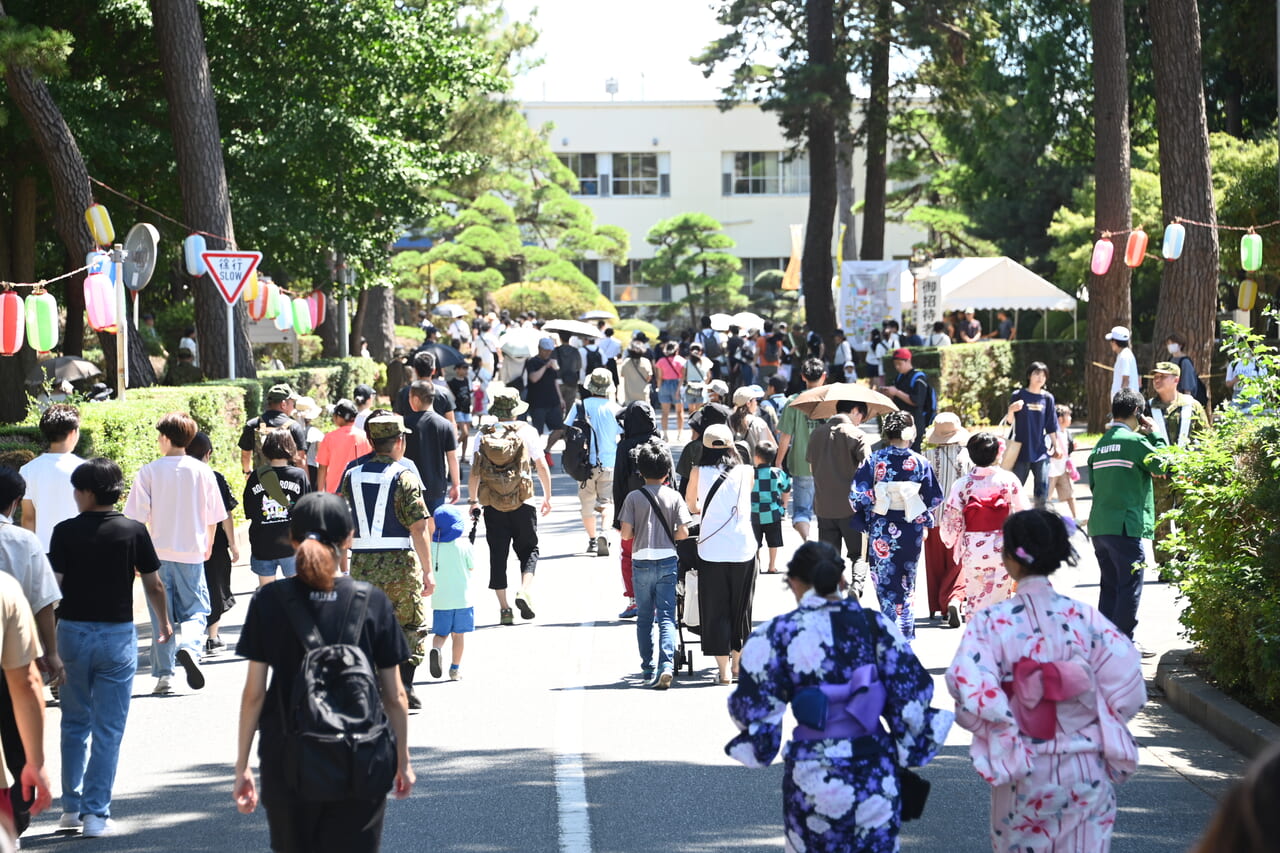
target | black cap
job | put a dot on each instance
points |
(363, 393)
(322, 516)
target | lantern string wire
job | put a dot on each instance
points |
(5, 285)
(1184, 221)
(183, 225)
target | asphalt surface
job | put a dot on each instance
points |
(549, 743)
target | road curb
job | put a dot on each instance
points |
(1222, 716)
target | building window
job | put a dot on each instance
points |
(631, 272)
(636, 174)
(752, 267)
(585, 170)
(767, 173)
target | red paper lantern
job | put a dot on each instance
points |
(13, 322)
(1136, 248)
(258, 304)
(317, 302)
(100, 302)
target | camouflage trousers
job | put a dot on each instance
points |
(398, 574)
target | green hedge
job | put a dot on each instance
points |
(326, 380)
(975, 380)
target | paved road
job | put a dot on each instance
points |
(549, 744)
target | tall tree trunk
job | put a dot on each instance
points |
(815, 263)
(19, 245)
(1109, 303)
(202, 177)
(331, 347)
(846, 196)
(357, 323)
(22, 264)
(1189, 288)
(378, 322)
(877, 135)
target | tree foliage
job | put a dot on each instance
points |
(690, 251)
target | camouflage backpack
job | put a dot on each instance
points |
(502, 463)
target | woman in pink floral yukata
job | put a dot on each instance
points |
(1047, 686)
(972, 519)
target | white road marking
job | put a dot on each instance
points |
(571, 778)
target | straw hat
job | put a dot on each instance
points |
(946, 429)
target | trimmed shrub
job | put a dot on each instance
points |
(551, 299)
(1226, 544)
(324, 380)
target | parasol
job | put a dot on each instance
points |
(820, 403)
(573, 327)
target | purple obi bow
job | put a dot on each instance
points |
(1036, 691)
(852, 709)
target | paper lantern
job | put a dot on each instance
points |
(12, 322)
(302, 315)
(259, 304)
(1103, 251)
(284, 311)
(1175, 235)
(1135, 248)
(251, 287)
(100, 302)
(1251, 251)
(1248, 295)
(273, 300)
(100, 262)
(317, 302)
(193, 249)
(100, 227)
(42, 321)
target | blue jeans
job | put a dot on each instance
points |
(655, 586)
(267, 568)
(188, 597)
(1121, 560)
(801, 499)
(101, 658)
(1039, 473)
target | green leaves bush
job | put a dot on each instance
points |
(1227, 541)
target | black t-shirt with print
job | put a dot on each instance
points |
(268, 637)
(96, 553)
(268, 520)
(541, 394)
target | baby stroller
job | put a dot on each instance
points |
(687, 600)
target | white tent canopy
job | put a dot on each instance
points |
(991, 284)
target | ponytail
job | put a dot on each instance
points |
(316, 563)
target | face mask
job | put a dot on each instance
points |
(1173, 349)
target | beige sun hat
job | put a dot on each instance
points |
(946, 429)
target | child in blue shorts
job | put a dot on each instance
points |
(454, 616)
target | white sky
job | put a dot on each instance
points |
(644, 44)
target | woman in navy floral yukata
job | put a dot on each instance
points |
(894, 495)
(843, 669)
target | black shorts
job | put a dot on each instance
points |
(771, 533)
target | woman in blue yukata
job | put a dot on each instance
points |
(894, 495)
(842, 669)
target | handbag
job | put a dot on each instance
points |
(1012, 450)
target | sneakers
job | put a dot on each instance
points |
(1145, 652)
(163, 686)
(195, 678)
(98, 827)
(415, 703)
(454, 674)
(602, 546)
(525, 605)
(214, 646)
(664, 680)
(433, 662)
(70, 822)
(591, 547)
(505, 617)
(630, 611)
(953, 615)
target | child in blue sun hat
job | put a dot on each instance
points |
(454, 616)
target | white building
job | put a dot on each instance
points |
(642, 162)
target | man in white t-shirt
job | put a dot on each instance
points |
(50, 498)
(178, 499)
(516, 529)
(1125, 372)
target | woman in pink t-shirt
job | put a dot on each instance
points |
(670, 371)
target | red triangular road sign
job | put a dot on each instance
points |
(230, 271)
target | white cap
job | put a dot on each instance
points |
(1118, 333)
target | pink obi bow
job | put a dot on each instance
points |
(1036, 691)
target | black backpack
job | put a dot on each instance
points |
(931, 409)
(773, 349)
(576, 457)
(710, 344)
(1198, 391)
(594, 360)
(338, 742)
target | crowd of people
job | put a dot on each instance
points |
(364, 522)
